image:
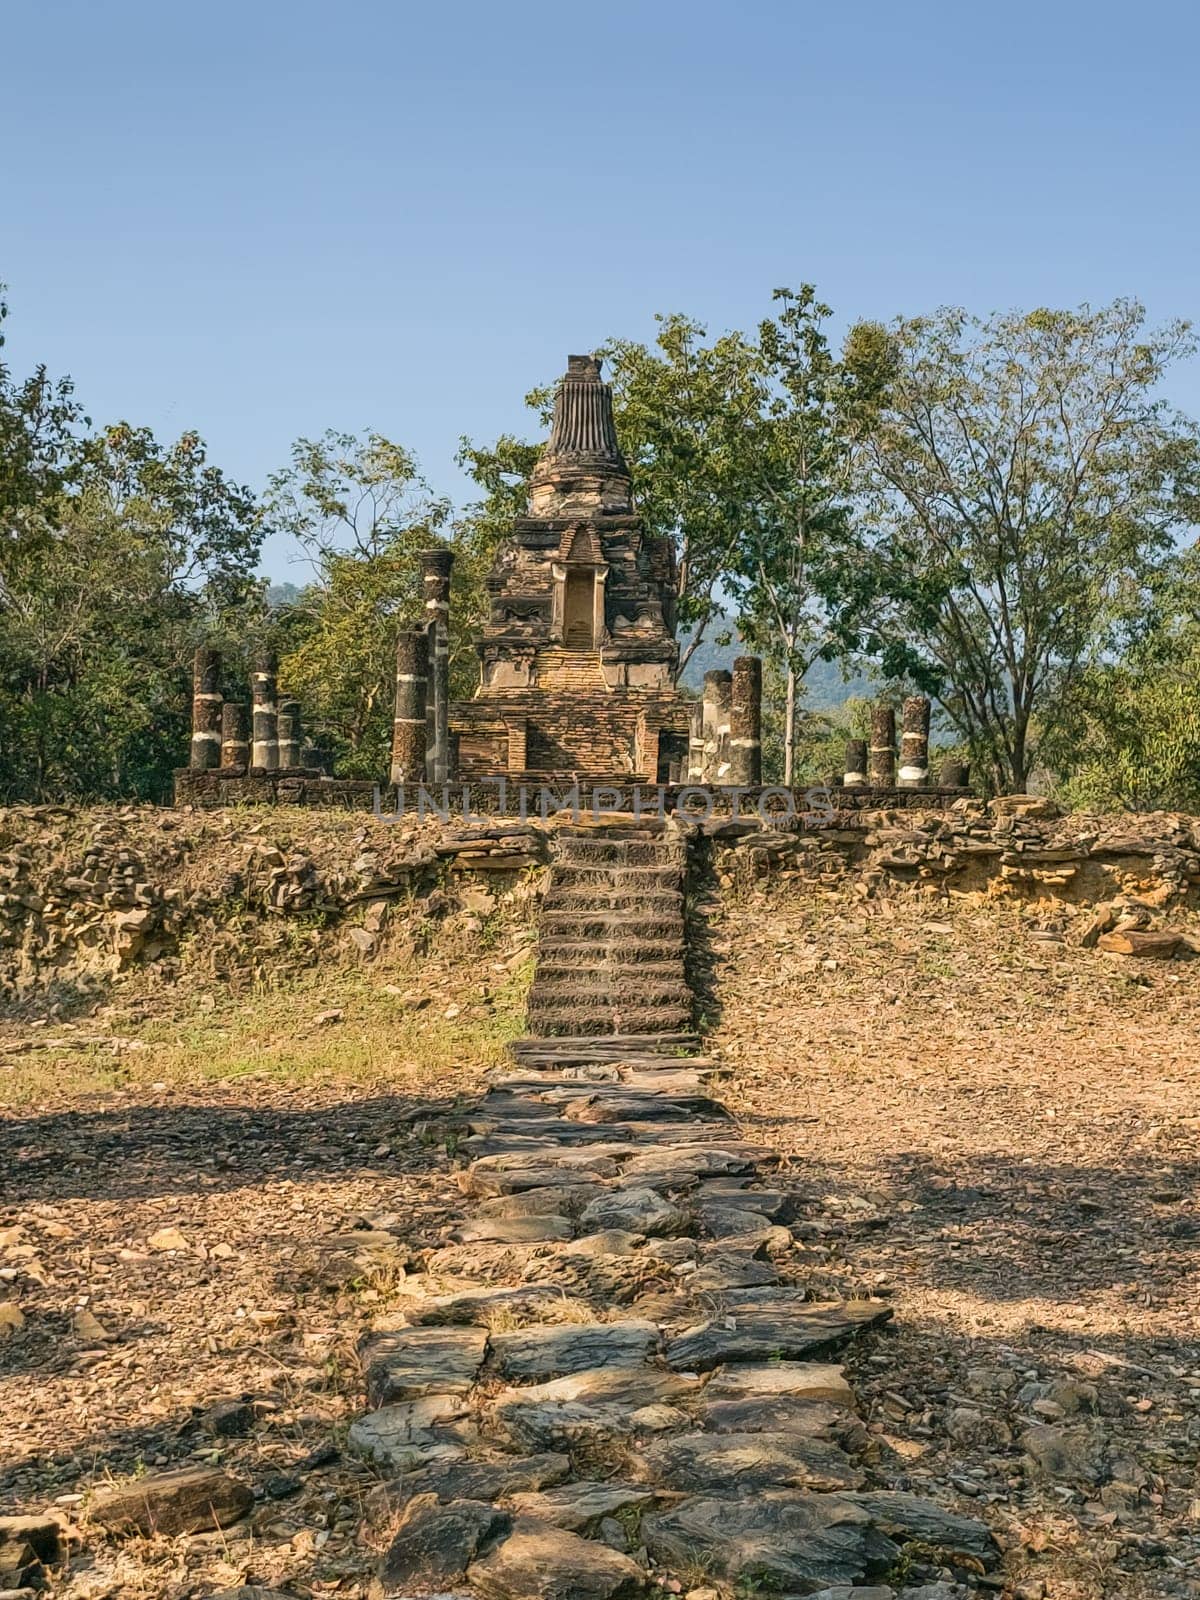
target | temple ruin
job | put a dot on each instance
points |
(577, 667)
(577, 658)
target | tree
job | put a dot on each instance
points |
(681, 411)
(147, 550)
(38, 419)
(799, 534)
(1134, 741)
(1025, 482)
(362, 513)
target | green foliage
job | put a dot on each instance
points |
(1135, 741)
(38, 421)
(362, 513)
(1027, 485)
(143, 550)
(792, 573)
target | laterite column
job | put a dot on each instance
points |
(235, 735)
(745, 722)
(264, 752)
(695, 758)
(883, 747)
(855, 775)
(435, 579)
(290, 737)
(914, 742)
(409, 726)
(206, 710)
(954, 775)
(714, 722)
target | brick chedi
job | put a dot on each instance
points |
(578, 653)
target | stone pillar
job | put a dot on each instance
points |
(855, 775)
(745, 722)
(290, 735)
(409, 730)
(264, 751)
(235, 735)
(435, 581)
(914, 742)
(695, 759)
(206, 710)
(714, 724)
(883, 747)
(954, 775)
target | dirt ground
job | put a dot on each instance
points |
(1000, 1132)
(996, 1130)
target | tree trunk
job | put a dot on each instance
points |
(789, 727)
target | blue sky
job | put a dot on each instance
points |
(265, 219)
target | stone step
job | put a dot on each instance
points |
(604, 1045)
(568, 952)
(570, 897)
(551, 970)
(613, 924)
(619, 853)
(599, 991)
(576, 1021)
(593, 876)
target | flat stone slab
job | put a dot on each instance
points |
(792, 1542)
(504, 1175)
(412, 1362)
(582, 1505)
(799, 1380)
(608, 1402)
(435, 1543)
(561, 1199)
(608, 1242)
(728, 1221)
(633, 1137)
(555, 1352)
(547, 1229)
(541, 1562)
(740, 1463)
(413, 1433)
(637, 1210)
(182, 1500)
(717, 1270)
(906, 1516)
(652, 1106)
(737, 1193)
(776, 1328)
(475, 1306)
(696, 1161)
(492, 1480)
(815, 1419)
(631, 1386)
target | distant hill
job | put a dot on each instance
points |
(824, 685)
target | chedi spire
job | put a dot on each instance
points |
(583, 430)
(582, 468)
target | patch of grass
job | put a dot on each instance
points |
(271, 1033)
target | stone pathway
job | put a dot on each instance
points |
(606, 1385)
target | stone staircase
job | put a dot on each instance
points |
(571, 672)
(610, 1381)
(612, 940)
